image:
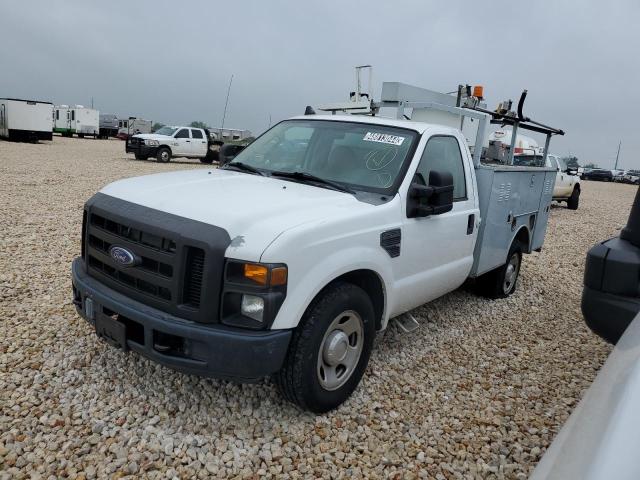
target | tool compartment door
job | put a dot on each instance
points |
(544, 209)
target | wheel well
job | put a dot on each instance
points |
(523, 237)
(577, 187)
(371, 283)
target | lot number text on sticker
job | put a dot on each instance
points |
(383, 138)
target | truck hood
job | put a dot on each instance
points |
(152, 136)
(254, 210)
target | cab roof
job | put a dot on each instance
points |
(419, 127)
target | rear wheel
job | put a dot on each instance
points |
(206, 159)
(163, 155)
(140, 157)
(502, 282)
(574, 199)
(330, 349)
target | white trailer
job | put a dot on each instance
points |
(77, 119)
(133, 126)
(25, 119)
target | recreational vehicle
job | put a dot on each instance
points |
(25, 119)
(133, 126)
(77, 119)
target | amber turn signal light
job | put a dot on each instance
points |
(278, 276)
(257, 273)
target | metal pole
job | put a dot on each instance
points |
(226, 103)
(514, 135)
(617, 155)
(546, 149)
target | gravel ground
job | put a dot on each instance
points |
(478, 391)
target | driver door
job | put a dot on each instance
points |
(182, 143)
(437, 251)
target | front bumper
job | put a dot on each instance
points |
(141, 149)
(208, 350)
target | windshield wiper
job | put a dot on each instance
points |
(244, 167)
(307, 177)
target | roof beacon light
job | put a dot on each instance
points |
(478, 91)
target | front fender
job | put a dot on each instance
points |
(310, 273)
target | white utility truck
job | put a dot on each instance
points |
(78, 120)
(334, 225)
(170, 142)
(25, 119)
(528, 153)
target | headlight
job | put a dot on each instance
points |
(252, 293)
(252, 307)
(152, 143)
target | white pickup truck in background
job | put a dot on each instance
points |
(338, 224)
(171, 142)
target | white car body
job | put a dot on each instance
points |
(183, 142)
(300, 224)
(600, 439)
(565, 182)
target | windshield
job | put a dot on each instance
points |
(168, 131)
(363, 156)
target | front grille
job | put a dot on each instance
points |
(175, 259)
(193, 276)
(148, 264)
(138, 284)
(133, 235)
(152, 277)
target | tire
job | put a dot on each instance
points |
(206, 160)
(81, 135)
(163, 155)
(574, 199)
(310, 377)
(140, 157)
(495, 283)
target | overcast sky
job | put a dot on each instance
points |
(171, 61)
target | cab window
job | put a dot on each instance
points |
(442, 153)
(196, 134)
(182, 133)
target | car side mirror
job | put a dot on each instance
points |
(228, 152)
(572, 171)
(433, 199)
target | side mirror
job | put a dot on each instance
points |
(433, 199)
(572, 171)
(228, 152)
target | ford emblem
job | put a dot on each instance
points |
(122, 256)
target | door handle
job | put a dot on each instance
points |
(471, 222)
(188, 141)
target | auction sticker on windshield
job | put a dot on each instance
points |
(383, 138)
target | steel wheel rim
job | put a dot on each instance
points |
(340, 350)
(511, 274)
(164, 156)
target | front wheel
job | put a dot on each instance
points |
(574, 199)
(163, 155)
(330, 349)
(501, 282)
